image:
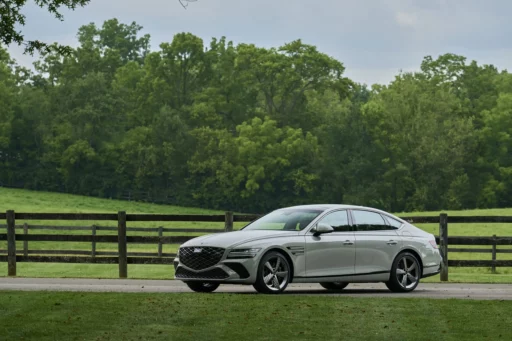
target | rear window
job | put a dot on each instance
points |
(393, 222)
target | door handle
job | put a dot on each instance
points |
(392, 242)
(348, 242)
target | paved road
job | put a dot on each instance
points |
(429, 290)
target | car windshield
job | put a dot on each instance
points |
(285, 220)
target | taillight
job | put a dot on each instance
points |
(433, 243)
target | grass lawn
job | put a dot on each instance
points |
(47, 202)
(137, 271)
(115, 316)
(67, 270)
(32, 201)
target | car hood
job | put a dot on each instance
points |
(230, 239)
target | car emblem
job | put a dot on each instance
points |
(198, 250)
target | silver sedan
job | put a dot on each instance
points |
(332, 245)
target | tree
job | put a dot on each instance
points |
(420, 142)
(262, 167)
(7, 91)
(11, 15)
(245, 128)
(284, 76)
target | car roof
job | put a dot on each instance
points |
(325, 207)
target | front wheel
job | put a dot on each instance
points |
(202, 286)
(405, 273)
(273, 273)
(334, 286)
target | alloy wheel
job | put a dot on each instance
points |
(275, 273)
(407, 272)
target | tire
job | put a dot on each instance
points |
(274, 273)
(202, 286)
(405, 273)
(334, 286)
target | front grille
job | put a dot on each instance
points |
(199, 258)
(216, 273)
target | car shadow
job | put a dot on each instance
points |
(324, 292)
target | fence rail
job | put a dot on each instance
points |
(112, 228)
(132, 217)
(122, 257)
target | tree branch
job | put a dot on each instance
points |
(184, 3)
(11, 15)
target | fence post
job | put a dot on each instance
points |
(25, 242)
(228, 227)
(494, 254)
(93, 243)
(160, 234)
(11, 244)
(121, 237)
(443, 241)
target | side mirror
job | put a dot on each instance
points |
(321, 229)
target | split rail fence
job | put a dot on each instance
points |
(122, 257)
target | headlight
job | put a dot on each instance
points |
(243, 253)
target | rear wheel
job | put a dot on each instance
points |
(405, 273)
(334, 286)
(203, 286)
(273, 273)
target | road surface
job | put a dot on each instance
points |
(425, 290)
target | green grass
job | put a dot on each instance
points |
(63, 270)
(476, 212)
(123, 316)
(47, 202)
(32, 201)
(137, 271)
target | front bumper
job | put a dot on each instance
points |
(242, 271)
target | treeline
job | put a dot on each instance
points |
(251, 129)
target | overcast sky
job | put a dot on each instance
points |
(374, 39)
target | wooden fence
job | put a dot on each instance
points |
(122, 257)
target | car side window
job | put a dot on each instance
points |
(393, 222)
(369, 221)
(338, 220)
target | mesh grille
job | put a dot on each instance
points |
(210, 274)
(199, 258)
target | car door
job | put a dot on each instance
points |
(377, 242)
(331, 254)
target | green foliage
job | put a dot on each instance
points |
(415, 125)
(261, 167)
(250, 129)
(7, 95)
